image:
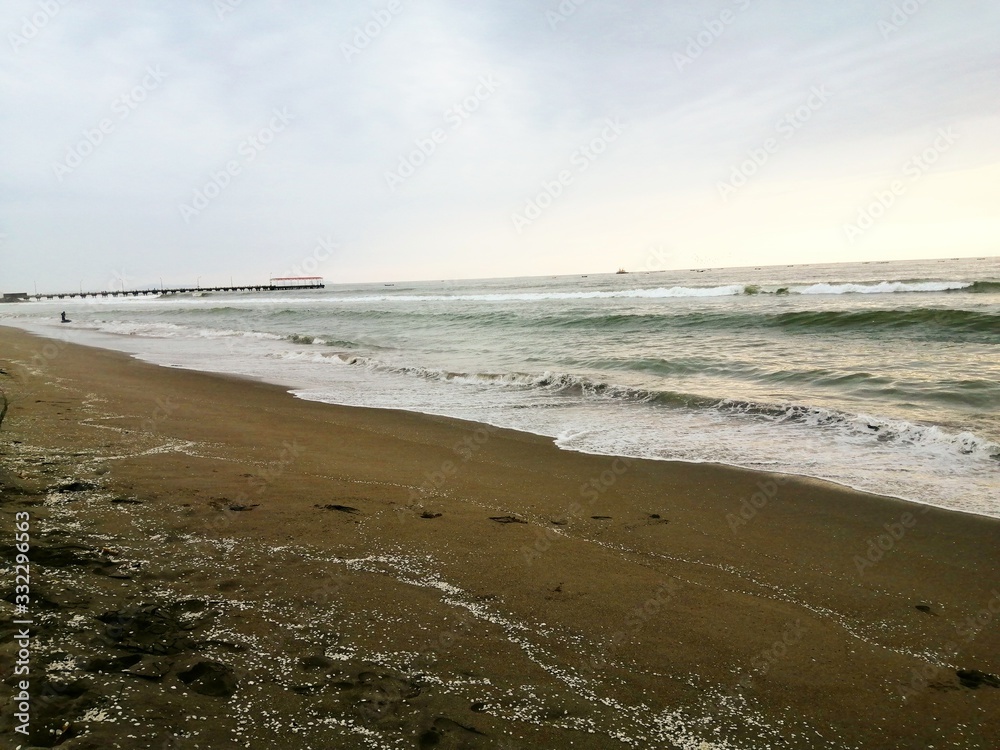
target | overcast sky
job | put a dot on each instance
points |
(371, 141)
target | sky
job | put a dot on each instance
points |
(209, 141)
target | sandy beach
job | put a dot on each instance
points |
(217, 564)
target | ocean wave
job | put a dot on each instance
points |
(173, 330)
(727, 290)
(942, 320)
(549, 381)
(873, 429)
(880, 430)
(724, 290)
(310, 340)
(953, 320)
(292, 305)
(985, 287)
(882, 287)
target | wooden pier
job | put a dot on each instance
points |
(285, 284)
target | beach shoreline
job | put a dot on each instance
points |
(393, 577)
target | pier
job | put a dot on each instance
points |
(278, 284)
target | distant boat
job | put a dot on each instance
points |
(621, 270)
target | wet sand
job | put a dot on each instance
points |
(217, 564)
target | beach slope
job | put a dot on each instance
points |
(215, 563)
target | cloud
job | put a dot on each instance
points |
(366, 83)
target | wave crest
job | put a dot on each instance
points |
(877, 430)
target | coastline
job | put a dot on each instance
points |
(308, 392)
(612, 598)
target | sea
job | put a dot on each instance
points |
(881, 376)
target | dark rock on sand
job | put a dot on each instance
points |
(149, 629)
(236, 648)
(309, 688)
(65, 556)
(149, 668)
(341, 508)
(315, 661)
(76, 487)
(52, 703)
(506, 519)
(973, 678)
(211, 678)
(240, 507)
(375, 696)
(111, 663)
(447, 733)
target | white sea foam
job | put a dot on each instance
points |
(659, 292)
(882, 287)
(873, 429)
(172, 330)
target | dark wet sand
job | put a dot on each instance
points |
(216, 564)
